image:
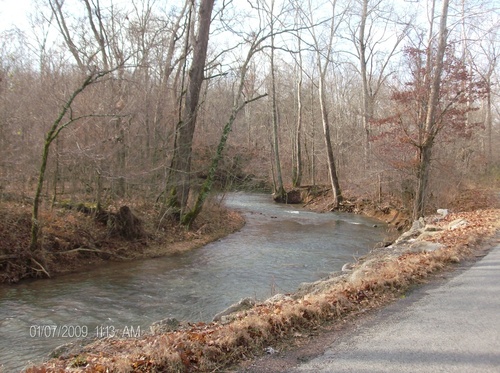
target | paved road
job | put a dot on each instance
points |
(454, 327)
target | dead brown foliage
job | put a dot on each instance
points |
(73, 241)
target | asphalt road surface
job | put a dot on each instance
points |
(451, 327)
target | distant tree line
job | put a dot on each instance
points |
(105, 101)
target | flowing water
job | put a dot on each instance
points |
(280, 247)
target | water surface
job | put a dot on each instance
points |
(280, 247)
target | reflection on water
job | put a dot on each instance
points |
(279, 248)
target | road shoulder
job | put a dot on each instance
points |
(319, 350)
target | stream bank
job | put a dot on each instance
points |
(280, 247)
(372, 281)
(73, 242)
(318, 199)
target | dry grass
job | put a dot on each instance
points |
(376, 280)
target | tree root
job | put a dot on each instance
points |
(79, 249)
(42, 269)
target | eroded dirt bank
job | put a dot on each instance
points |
(73, 241)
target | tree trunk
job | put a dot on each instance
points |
(489, 125)
(323, 60)
(313, 139)
(364, 78)
(56, 175)
(51, 135)
(189, 217)
(422, 181)
(297, 166)
(297, 171)
(278, 188)
(279, 191)
(56, 7)
(98, 33)
(332, 169)
(35, 224)
(181, 162)
(431, 128)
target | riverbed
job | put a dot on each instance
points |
(280, 247)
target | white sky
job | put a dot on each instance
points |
(13, 13)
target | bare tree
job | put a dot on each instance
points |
(431, 126)
(279, 190)
(492, 55)
(181, 162)
(63, 120)
(373, 58)
(480, 49)
(165, 90)
(60, 17)
(297, 164)
(324, 59)
(94, 15)
(239, 103)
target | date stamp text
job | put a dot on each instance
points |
(84, 331)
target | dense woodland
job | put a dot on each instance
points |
(163, 101)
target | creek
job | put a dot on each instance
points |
(280, 247)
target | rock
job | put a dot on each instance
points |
(442, 212)
(428, 232)
(421, 246)
(425, 236)
(62, 350)
(319, 286)
(415, 231)
(242, 305)
(164, 326)
(270, 351)
(457, 223)
(348, 267)
(278, 298)
(418, 224)
(432, 228)
(359, 273)
(71, 348)
(408, 236)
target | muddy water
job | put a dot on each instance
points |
(279, 248)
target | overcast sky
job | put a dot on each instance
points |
(13, 13)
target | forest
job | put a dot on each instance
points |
(107, 104)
